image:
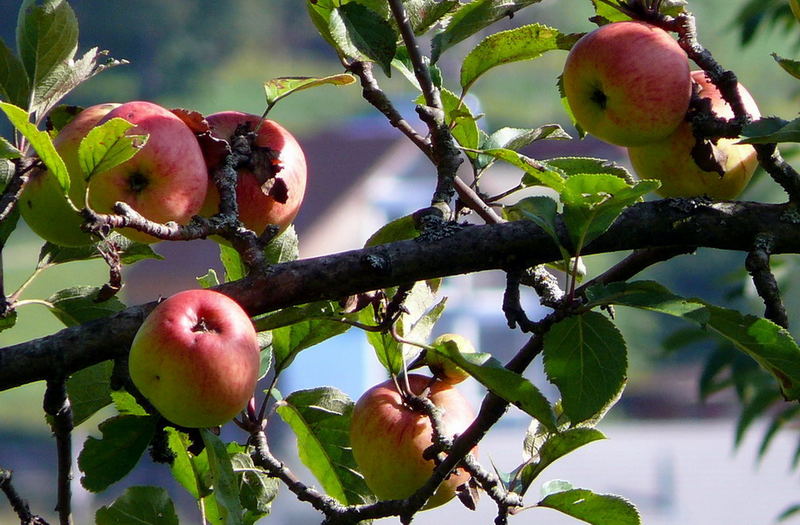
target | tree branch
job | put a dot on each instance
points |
(19, 505)
(670, 222)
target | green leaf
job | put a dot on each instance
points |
(585, 356)
(282, 87)
(208, 280)
(295, 314)
(537, 173)
(89, 390)
(402, 62)
(423, 14)
(770, 130)
(592, 202)
(569, 166)
(320, 418)
(555, 446)
(47, 37)
(608, 13)
(77, 305)
(106, 461)
(516, 139)
(107, 146)
(232, 263)
(8, 321)
(289, 341)
(399, 229)
(256, 489)
(753, 409)
(141, 506)
(471, 18)
(283, 248)
(9, 224)
(191, 472)
(8, 151)
(14, 84)
(226, 488)
(768, 344)
(128, 250)
(40, 141)
(543, 211)
(521, 43)
(361, 33)
(790, 66)
(458, 116)
(126, 404)
(503, 382)
(597, 509)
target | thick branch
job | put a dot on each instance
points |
(670, 222)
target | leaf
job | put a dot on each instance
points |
(592, 202)
(585, 356)
(107, 146)
(320, 418)
(289, 341)
(14, 84)
(502, 382)
(543, 211)
(522, 43)
(608, 13)
(208, 280)
(77, 305)
(129, 251)
(471, 18)
(47, 36)
(597, 509)
(126, 404)
(283, 248)
(784, 417)
(770, 130)
(9, 224)
(771, 346)
(463, 125)
(569, 166)
(256, 489)
(399, 229)
(8, 151)
(516, 139)
(89, 390)
(139, 505)
(754, 408)
(295, 314)
(790, 66)
(191, 472)
(282, 87)
(232, 263)
(8, 321)
(423, 14)
(106, 461)
(537, 173)
(40, 141)
(226, 489)
(361, 33)
(555, 446)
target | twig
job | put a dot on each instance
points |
(56, 405)
(757, 264)
(12, 191)
(19, 505)
(512, 307)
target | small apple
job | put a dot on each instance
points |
(388, 438)
(42, 203)
(272, 191)
(628, 83)
(671, 162)
(442, 367)
(165, 181)
(196, 358)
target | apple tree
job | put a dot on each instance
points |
(108, 181)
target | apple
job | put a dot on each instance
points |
(671, 162)
(388, 438)
(196, 358)
(42, 203)
(442, 367)
(165, 181)
(627, 83)
(271, 192)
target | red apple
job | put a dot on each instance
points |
(262, 200)
(42, 203)
(165, 181)
(388, 438)
(671, 162)
(628, 83)
(196, 358)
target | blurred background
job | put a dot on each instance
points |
(670, 453)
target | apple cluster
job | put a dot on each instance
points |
(169, 178)
(630, 84)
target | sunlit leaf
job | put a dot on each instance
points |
(140, 505)
(226, 489)
(597, 509)
(282, 87)
(108, 145)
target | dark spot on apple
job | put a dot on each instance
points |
(138, 182)
(599, 98)
(158, 377)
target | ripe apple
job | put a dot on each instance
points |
(196, 358)
(42, 203)
(388, 438)
(671, 162)
(628, 83)
(442, 367)
(165, 181)
(276, 202)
